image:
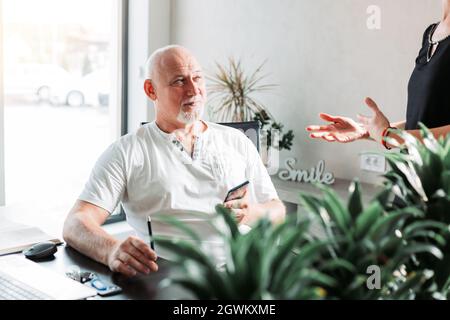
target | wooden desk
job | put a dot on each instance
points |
(289, 191)
(145, 287)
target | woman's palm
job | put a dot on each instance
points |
(342, 129)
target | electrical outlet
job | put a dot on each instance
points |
(373, 162)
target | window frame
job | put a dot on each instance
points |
(122, 46)
(2, 118)
(123, 101)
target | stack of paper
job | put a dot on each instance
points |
(15, 237)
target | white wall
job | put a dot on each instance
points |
(2, 131)
(149, 25)
(321, 54)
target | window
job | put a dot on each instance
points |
(64, 62)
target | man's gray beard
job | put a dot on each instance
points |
(189, 117)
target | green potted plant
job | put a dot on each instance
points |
(232, 99)
(260, 264)
(420, 175)
(363, 236)
(287, 262)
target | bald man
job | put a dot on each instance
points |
(175, 165)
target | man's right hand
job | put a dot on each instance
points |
(132, 256)
(342, 129)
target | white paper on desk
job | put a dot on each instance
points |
(205, 225)
(15, 237)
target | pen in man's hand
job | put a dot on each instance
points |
(150, 233)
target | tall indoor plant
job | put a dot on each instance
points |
(232, 92)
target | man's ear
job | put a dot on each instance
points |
(149, 89)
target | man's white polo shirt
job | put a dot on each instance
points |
(150, 173)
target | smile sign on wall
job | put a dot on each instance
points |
(314, 174)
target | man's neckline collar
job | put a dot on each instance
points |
(172, 134)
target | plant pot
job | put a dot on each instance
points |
(269, 150)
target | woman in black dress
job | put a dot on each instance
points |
(428, 96)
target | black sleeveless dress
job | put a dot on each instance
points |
(429, 86)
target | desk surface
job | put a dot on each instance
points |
(137, 288)
(147, 287)
(289, 191)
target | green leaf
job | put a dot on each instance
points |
(365, 221)
(425, 224)
(291, 238)
(229, 220)
(414, 281)
(188, 251)
(445, 180)
(440, 240)
(310, 252)
(335, 208)
(185, 250)
(355, 206)
(388, 221)
(310, 203)
(340, 264)
(383, 196)
(380, 227)
(419, 248)
(429, 140)
(317, 278)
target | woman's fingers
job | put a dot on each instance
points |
(319, 130)
(315, 128)
(329, 138)
(372, 105)
(322, 135)
(344, 138)
(328, 117)
(318, 135)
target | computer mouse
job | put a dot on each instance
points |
(41, 250)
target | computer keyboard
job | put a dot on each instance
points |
(11, 289)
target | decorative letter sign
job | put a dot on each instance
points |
(315, 174)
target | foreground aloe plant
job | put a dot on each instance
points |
(260, 264)
(360, 237)
(421, 178)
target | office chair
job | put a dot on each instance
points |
(249, 128)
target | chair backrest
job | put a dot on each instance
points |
(249, 128)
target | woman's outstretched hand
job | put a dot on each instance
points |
(375, 124)
(342, 129)
(345, 130)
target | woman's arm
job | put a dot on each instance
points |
(399, 124)
(342, 129)
(437, 132)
